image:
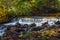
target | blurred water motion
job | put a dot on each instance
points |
(38, 21)
(28, 21)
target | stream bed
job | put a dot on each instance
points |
(37, 20)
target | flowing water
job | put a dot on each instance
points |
(37, 20)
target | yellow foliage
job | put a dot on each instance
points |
(49, 32)
(33, 1)
(1, 12)
(52, 32)
(9, 9)
(14, 2)
(20, 35)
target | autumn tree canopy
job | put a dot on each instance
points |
(10, 8)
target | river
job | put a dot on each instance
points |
(37, 20)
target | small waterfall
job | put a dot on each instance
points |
(38, 21)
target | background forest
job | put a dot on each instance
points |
(14, 8)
